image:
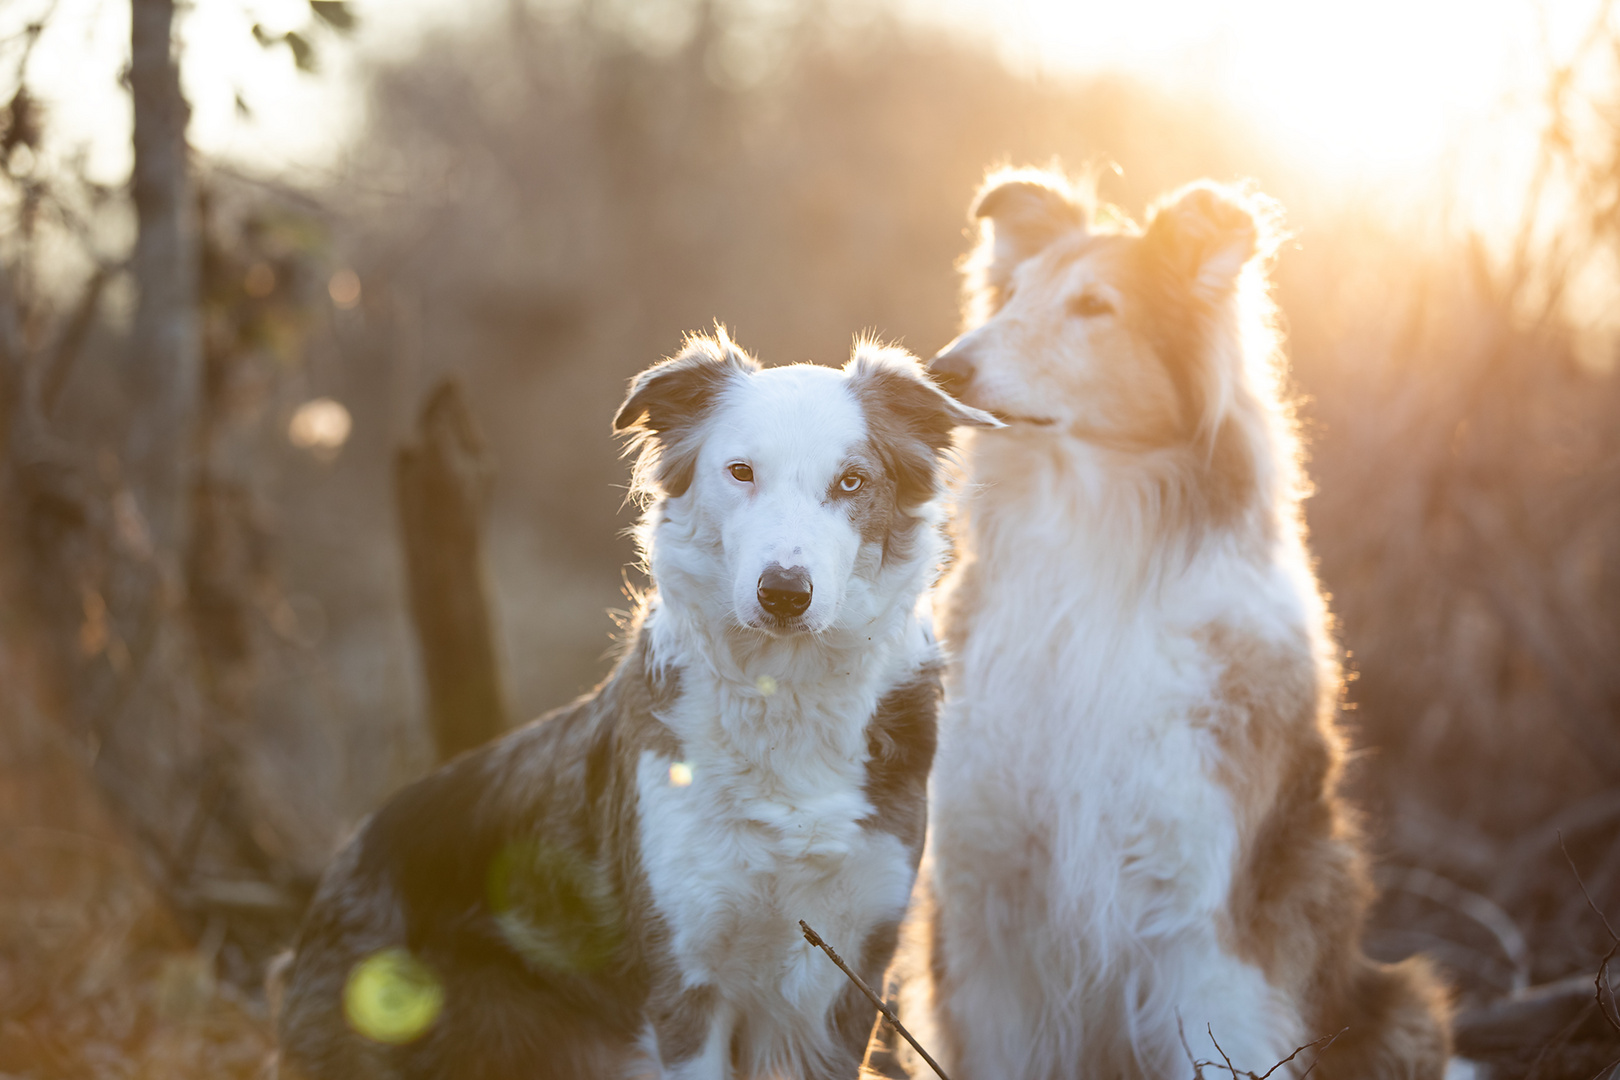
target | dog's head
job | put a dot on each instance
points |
(782, 496)
(1115, 334)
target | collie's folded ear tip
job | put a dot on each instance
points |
(1025, 192)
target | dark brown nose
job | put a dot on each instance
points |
(784, 593)
(953, 370)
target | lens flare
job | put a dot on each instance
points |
(320, 426)
(554, 908)
(392, 997)
(344, 289)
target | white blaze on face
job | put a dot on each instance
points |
(792, 431)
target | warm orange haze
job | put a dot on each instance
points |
(315, 314)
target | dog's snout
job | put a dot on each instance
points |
(952, 369)
(784, 593)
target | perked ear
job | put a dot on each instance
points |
(667, 401)
(909, 419)
(1206, 233)
(1020, 212)
(895, 386)
(1026, 209)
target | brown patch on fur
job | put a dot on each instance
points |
(874, 510)
(665, 403)
(682, 1023)
(900, 741)
(1301, 889)
(422, 875)
(909, 422)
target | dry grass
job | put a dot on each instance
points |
(95, 978)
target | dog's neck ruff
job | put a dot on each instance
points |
(1130, 519)
(777, 699)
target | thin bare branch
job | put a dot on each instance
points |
(1198, 1066)
(1221, 1051)
(1604, 919)
(1324, 1043)
(815, 939)
(1603, 981)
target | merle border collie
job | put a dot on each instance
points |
(615, 889)
(1137, 845)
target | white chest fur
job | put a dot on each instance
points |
(1084, 849)
(762, 825)
(1071, 708)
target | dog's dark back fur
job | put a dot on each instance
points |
(418, 876)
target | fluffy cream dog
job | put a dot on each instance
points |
(1136, 828)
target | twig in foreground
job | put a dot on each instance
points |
(1603, 981)
(1321, 1045)
(815, 939)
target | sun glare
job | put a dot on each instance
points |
(1407, 97)
(1411, 91)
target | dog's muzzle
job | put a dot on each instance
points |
(953, 369)
(784, 593)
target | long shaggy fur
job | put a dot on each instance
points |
(1136, 829)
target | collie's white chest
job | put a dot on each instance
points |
(1077, 770)
(1072, 774)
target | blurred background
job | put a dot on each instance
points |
(313, 315)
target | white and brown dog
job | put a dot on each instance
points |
(615, 889)
(1136, 829)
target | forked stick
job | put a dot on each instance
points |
(815, 939)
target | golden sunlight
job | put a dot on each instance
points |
(1420, 92)
(1425, 94)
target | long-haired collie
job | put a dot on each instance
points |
(615, 890)
(1138, 848)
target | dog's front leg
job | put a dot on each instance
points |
(694, 1037)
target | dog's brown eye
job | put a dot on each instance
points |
(1090, 305)
(742, 472)
(851, 482)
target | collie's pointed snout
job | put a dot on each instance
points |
(952, 367)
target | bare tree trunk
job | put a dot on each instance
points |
(442, 486)
(164, 347)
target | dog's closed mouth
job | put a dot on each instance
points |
(791, 624)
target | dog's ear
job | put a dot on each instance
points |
(909, 418)
(1020, 212)
(1206, 233)
(897, 385)
(1024, 210)
(667, 401)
